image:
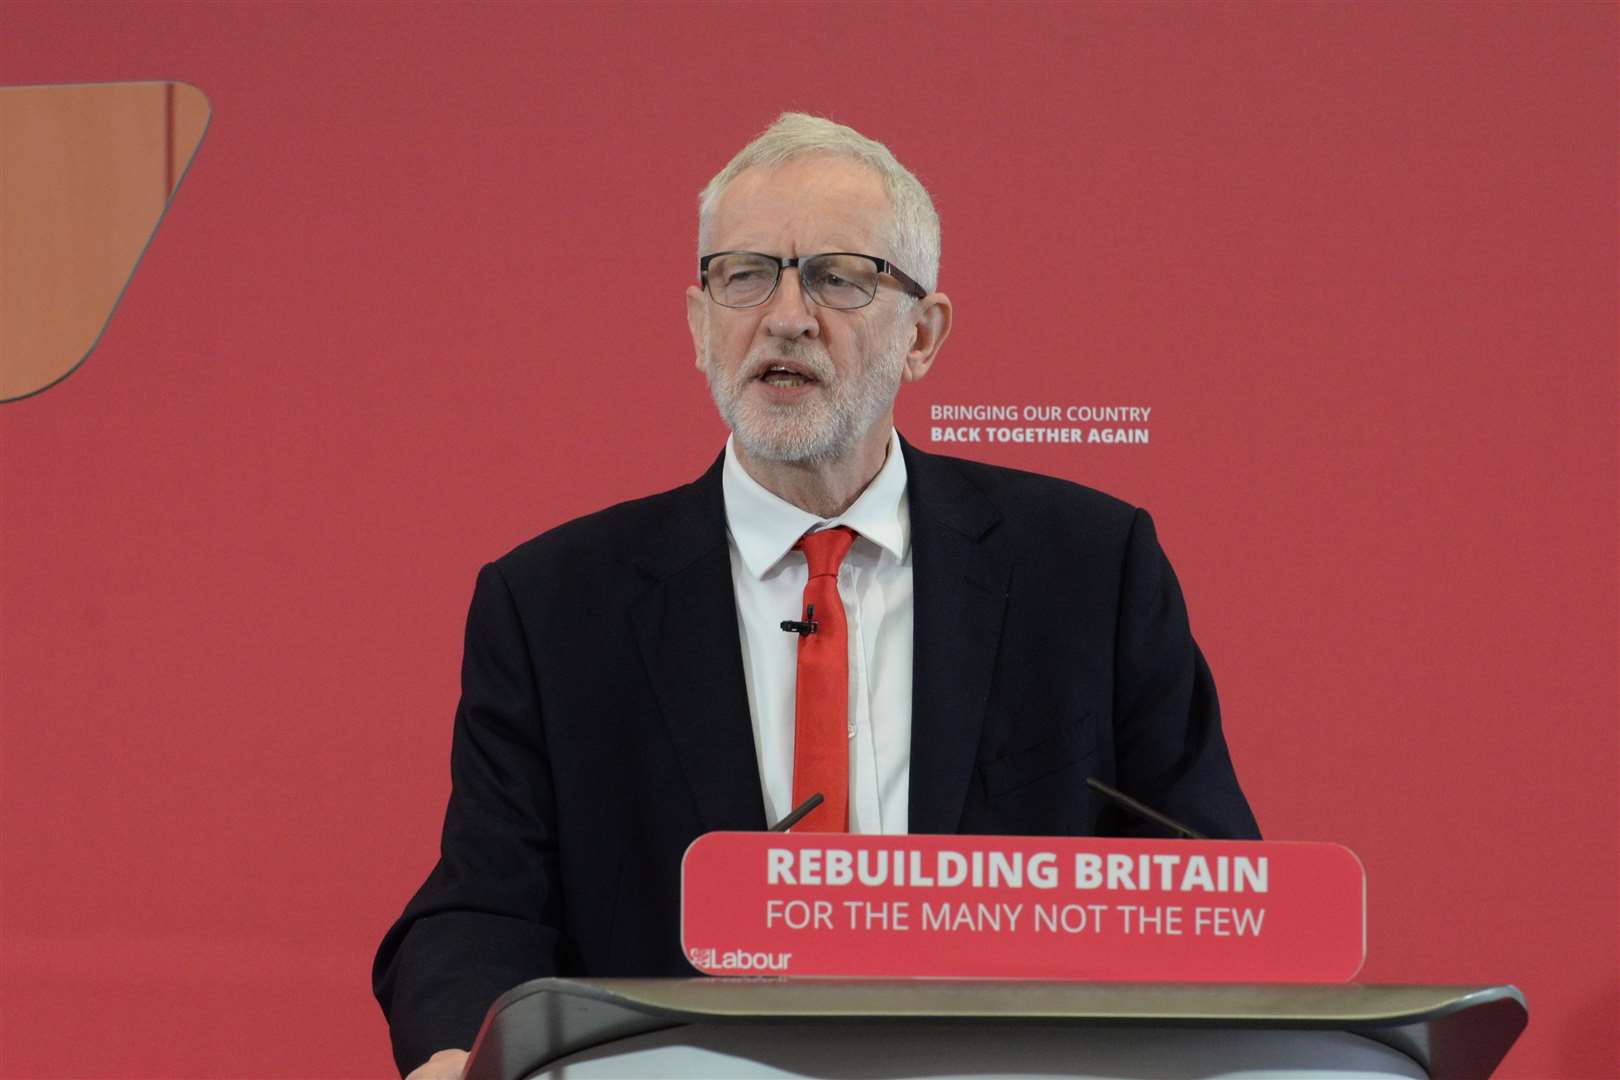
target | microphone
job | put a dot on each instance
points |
(808, 626)
(798, 813)
(1141, 810)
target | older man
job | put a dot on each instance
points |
(934, 645)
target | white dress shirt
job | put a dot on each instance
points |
(875, 585)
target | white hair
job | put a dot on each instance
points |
(915, 235)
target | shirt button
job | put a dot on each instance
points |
(852, 731)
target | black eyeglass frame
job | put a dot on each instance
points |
(884, 266)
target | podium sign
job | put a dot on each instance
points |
(1003, 907)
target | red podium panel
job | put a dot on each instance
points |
(1001, 907)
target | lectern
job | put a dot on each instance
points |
(575, 1028)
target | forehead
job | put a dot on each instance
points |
(809, 204)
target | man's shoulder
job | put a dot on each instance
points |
(626, 532)
(1020, 496)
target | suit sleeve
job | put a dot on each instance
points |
(488, 916)
(1170, 752)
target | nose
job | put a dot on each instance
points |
(787, 313)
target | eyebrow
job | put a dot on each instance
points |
(819, 249)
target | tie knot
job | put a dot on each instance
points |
(825, 550)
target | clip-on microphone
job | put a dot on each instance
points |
(808, 626)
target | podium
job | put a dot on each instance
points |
(705, 1027)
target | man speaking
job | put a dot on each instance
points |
(934, 645)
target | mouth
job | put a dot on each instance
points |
(785, 374)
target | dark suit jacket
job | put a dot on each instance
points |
(604, 723)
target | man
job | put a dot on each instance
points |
(628, 684)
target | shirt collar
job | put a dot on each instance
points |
(766, 527)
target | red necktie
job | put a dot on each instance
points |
(821, 698)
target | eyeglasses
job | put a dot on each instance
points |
(838, 279)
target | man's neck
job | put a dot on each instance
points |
(824, 488)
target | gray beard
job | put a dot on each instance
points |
(823, 431)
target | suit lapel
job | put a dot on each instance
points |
(959, 586)
(685, 625)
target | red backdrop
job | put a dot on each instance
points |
(420, 298)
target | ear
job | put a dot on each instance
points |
(931, 325)
(697, 320)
